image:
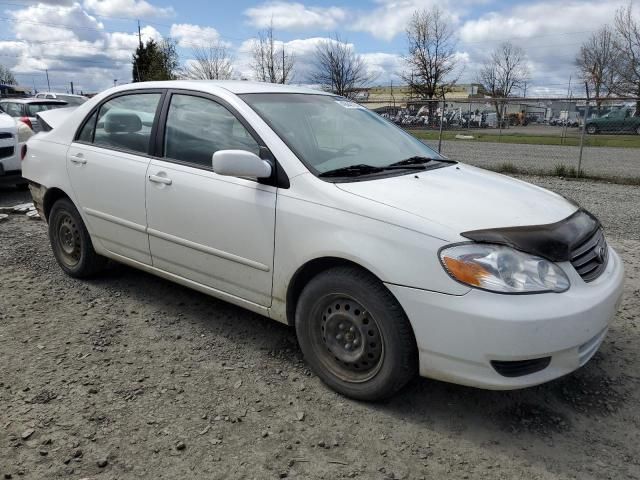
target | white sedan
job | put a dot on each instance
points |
(387, 258)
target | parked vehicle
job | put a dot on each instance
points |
(25, 109)
(388, 258)
(71, 99)
(617, 121)
(13, 135)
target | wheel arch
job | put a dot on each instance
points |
(51, 196)
(309, 270)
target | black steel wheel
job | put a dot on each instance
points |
(70, 241)
(355, 335)
(349, 342)
(592, 129)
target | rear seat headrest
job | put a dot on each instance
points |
(122, 122)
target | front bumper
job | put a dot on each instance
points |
(459, 336)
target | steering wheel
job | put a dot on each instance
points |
(351, 146)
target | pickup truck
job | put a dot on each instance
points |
(622, 120)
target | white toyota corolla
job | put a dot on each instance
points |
(307, 208)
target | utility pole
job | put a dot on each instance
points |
(139, 35)
(48, 85)
(71, 87)
(115, 82)
(283, 63)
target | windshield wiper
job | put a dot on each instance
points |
(364, 169)
(416, 160)
(351, 171)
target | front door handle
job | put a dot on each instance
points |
(78, 159)
(159, 179)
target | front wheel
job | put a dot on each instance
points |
(355, 335)
(71, 243)
(592, 129)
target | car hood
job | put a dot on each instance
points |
(462, 198)
(7, 123)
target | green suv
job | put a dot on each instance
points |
(622, 120)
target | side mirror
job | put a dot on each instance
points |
(240, 163)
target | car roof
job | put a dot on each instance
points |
(233, 86)
(33, 100)
(61, 93)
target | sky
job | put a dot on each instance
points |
(90, 42)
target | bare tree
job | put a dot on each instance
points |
(338, 68)
(597, 62)
(271, 63)
(431, 58)
(504, 72)
(627, 45)
(6, 77)
(210, 62)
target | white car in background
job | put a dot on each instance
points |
(13, 135)
(387, 258)
(71, 99)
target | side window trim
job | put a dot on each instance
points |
(96, 110)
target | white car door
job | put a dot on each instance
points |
(214, 230)
(107, 165)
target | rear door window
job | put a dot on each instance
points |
(125, 122)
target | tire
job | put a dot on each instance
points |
(592, 129)
(71, 243)
(638, 130)
(379, 354)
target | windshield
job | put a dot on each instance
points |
(329, 133)
(33, 108)
(72, 101)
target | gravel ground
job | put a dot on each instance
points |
(600, 161)
(131, 376)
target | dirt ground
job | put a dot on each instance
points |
(130, 376)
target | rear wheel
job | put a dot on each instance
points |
(355, 335)
(592, 129)
(71, 243)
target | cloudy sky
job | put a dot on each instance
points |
(90, 42)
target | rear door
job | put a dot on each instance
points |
(107, 165)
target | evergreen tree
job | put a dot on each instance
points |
(155, 61)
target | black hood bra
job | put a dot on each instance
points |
(553, 241)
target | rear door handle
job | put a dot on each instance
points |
(78, 159)
(159, 179)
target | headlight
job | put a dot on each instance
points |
(24, 132)
(502, 269)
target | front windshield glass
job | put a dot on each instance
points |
(330, 133)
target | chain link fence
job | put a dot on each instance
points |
(598, 138)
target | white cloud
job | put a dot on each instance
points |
(547, 31)
(127, 8)
(295, 16)
(189, 35)
(391, 17)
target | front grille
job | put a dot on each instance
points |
(6, 152)
(5, 135)
(590, 258)
(518, 368)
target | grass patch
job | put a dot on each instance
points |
(620, 141)
(561, 171)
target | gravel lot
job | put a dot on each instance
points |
(131, 376)
(601, 161)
